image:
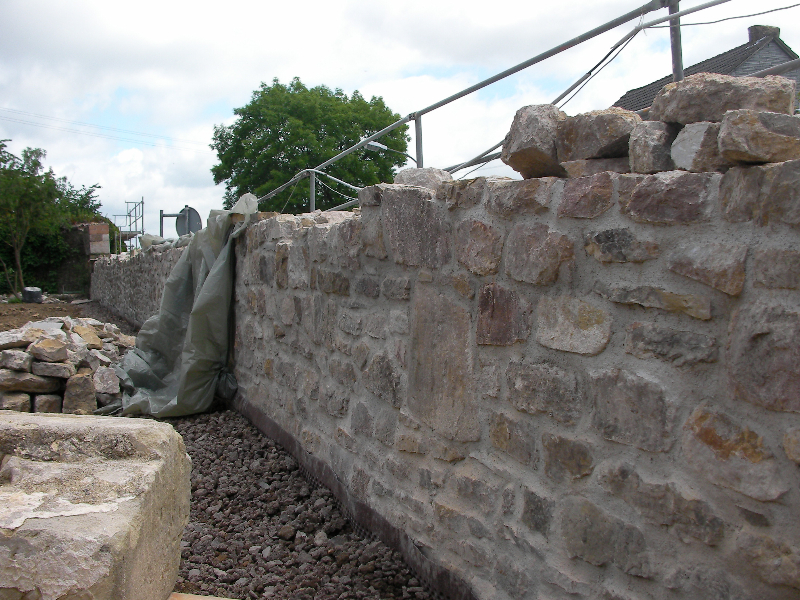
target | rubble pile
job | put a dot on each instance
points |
(61, 365)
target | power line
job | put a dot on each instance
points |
(323, 184)
(727, 18)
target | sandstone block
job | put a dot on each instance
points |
(534, 253)
(763, 356)
(514, 437)
(60, 370)
(663, 504)
(14, 338)
(586, 197)
(106, 381)
(751, 136)
(570, 324)
(510, 198)
(649, 147)
(99, 503)
(779, 200)
(396, 288)
(372, 233)
(593, 535)
(477, 484)
(775, 561)
(428, 178)
(708, 96)
(593, 166)
(478, 246)
(441, 385)
(415, 227)
(372, 195)
(89, 336)
(631, 409)
(381, 379)
(367, 286)
(79, 396)
(776, 269)
(648, 340)
(17, 360)
(17, 401)
(596, 134)
(537, 512)
(544, 388)
(619, 246)
(47, 403)
(698, 307)
(49, 350)
(502, 316)
(530, 145)
(565, 458)
(739, 194)
(462, 193)
(20, 381)
(720, 266)
(671, 198)
(731, 456)
(330, 282)
(791, 444)
(696, 149)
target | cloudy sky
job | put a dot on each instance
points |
(157, 76)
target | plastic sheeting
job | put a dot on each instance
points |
(180, 361)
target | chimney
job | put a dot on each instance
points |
(759, 31)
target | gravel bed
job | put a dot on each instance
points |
(259, 529)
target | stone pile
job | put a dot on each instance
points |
(61, 365)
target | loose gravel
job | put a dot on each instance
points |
(259, 529)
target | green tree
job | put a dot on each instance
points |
(287, 128)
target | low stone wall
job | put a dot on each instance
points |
(581, 387)
(131, 285)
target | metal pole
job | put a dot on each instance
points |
(418, 138)
(160, 223)
(312, 191)
(675, 40)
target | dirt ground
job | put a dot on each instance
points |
(16, 315)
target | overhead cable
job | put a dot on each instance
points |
(727, 18)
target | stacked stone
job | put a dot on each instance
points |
(584, 384)
(61, 365)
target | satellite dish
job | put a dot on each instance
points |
(188, 221)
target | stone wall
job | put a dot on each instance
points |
(130, 285)
(583, 386)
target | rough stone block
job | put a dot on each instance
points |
(372, 233)
(478, 485)
(593, 535)
(89, 335)
(776, 269)
(462, 193)
(20, 381)
(671, 198)
(708, 96)
(47, 403)
(16, 360)
(544, 388)
(633, 410)
(510, 198)
(530, 145)
(619, 246)
(649, 147)
(763, 356)
(428, 178)
(17, 401)
(731, 456)
(367, 286)
(596, 134)
(663, 504)
(537, 512)
(570, 324)
(647, 296)
(514, 437)
(791, 444)
(442, 389)
(566, 458)
(330, 282)
(79, 396)
(49, 350)
(97, 503)
(696, 149)
(534, 253)
(648, 340)
(739, 194)
(372, 195)
(63, 370)
(779, 200)
(15, 338)
(381, 379)
(105, 381)
(751, 136)
(586, 197)
(502, 316)
(415, 227)
(719, 265)
(775, 561)
(478, 246)
(396, 288)
(593, 166)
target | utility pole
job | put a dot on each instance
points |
(675, 40)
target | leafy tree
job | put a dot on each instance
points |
(287, 128)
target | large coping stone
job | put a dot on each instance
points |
(696, 149)
(708, 96)
(530, 145)
(596, 134)
(91, 507)
(428, 178)
(751, 136)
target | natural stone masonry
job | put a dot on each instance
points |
(90, 507)
(555, 387)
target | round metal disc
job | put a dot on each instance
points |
(188, 221)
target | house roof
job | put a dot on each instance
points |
(725, 64)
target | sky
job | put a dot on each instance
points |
(154, 78)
